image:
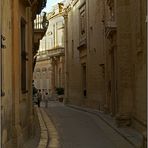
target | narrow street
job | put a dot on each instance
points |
(78, 129)
(73, 74)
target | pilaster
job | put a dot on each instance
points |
(30, 70)
(66, 92)
(124, 63)
(53, 76)
(16, 73)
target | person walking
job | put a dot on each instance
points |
(43, 95)
(46, 99)
(39, 97)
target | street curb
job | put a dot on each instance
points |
(97, 113)
(52, 132)
(44, 132)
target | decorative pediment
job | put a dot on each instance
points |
(82, 46)
(82, 51)
(110, 28)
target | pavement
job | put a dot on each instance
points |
(69, 126)
(35, 137)
(45, 135)
(128, 133)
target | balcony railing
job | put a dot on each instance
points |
(40, 27)
(38, 22)
(55, 52)
(41, 22)
(45, 55)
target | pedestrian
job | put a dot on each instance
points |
(43, 95)
(39, 97)
(35, 100)
(46, 99)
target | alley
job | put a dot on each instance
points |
(87, 60)
(78, 129)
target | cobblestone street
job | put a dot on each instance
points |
(78, 129)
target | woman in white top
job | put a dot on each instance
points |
(46, 100)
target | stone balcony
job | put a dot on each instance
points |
(58, 51)
(55, 52)
(40, 27)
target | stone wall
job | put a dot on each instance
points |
(106, 47)
(6, 71)
(17, 116)
(88, 51)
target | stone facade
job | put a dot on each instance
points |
(106, 58)
(85, 54)
(49, 69)
(16, 70)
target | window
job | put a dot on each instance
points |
(23, 56)
(82, 14)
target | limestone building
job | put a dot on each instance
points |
(49, 69)
(106, 58)
(16, 58)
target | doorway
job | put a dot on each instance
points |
(84, 89)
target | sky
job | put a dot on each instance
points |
(49, 4)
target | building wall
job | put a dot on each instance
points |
(92, 55)
(17, 115)
(95, 52)
(110, 40)
(140, 63)
(53, 59)
(125, 46)
(132, 53)
(74, 69)
(42, 75)
(49, 74)
(6, 71)
(54, 35)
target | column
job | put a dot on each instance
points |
(66, 92)
(53, 76)
(124, 64)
